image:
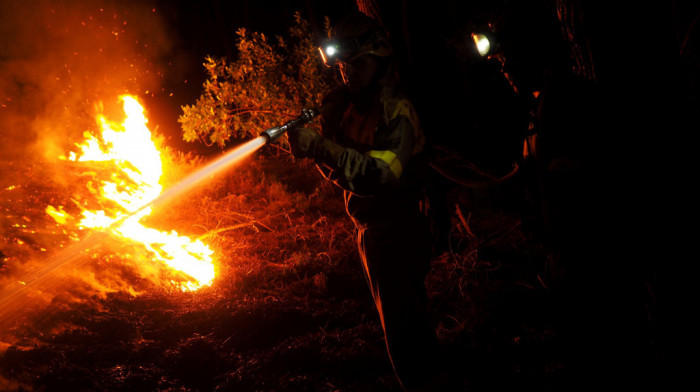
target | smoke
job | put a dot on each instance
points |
(58, 59)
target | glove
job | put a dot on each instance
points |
(303, 142)
(306, 143)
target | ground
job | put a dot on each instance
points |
(289, 309)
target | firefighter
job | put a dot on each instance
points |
(372, 147)
(567, 171)
(558, 154)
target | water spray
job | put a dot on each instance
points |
(13, 296)
(231, 157)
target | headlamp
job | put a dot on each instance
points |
(328, 53)
(331, 50)
(483, 43)
(346, 49)
(338, 51)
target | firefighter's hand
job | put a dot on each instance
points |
(303, 142)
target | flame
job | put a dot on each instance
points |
(131, 148)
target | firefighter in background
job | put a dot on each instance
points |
(372, 146)
(567, 172)
(558, 153)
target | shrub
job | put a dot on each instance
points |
(266, 85)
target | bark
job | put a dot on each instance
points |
(369, 8)
(571, 19)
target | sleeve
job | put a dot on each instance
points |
(379, 169)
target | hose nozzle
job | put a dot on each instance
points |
(274, 133)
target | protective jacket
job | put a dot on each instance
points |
(382, 165)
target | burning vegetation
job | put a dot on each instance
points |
(129, 189)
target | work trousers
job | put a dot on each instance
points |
(396, 255)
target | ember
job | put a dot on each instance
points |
(132, 189)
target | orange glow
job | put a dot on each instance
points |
(130, 146)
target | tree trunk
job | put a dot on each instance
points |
(369, 8)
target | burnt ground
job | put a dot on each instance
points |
(289, 309)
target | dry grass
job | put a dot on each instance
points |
(289, 309)
(287, 297)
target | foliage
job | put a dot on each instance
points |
(266, 85)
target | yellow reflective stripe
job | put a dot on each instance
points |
(390, 158)
(403, 108)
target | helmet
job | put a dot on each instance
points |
(354, 36)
